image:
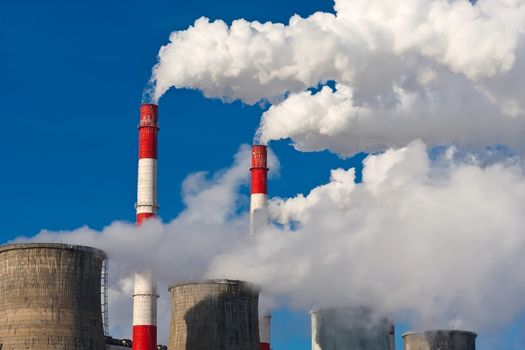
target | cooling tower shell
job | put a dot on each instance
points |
(214, 315)
(343, 328)
(50, 297)
(440, 340)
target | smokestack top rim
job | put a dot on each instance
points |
(149, 109)
(149, 105)
(435, 331)
(61, 246)
(250, 285)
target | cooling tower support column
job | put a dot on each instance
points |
(145, 290)
(259, 188)
(440, 340)
(50, 297)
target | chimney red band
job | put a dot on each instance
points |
(144, 337)
(148, 130)
(143, 216)
(259, 169)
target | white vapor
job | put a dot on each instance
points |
(441, 71)
(432, 239)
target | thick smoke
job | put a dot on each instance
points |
(441, 71)
(429, 240)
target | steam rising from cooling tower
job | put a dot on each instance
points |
(342, 235)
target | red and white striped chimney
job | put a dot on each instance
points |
(145, 289)
(264, 331)
(259, 218)
(259, 190)
(392, 335)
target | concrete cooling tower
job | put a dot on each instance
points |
(50, 297)
(440, 340)
(214, 315)
(344, 328)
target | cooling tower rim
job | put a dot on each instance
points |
(340, 307)
(433, 331)
(250, 285)
(62, 246)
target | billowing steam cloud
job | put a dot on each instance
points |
(434, 239)
(441, 71)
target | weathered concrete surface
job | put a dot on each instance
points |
(50, 297)
(440, 340)
(345, 328)
(214, 315)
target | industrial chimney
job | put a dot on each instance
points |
(145, 290)
(259, 188)
(259, 218)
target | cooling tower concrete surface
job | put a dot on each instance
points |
(343, 328)
(440, 340)
(214, 315)
(50, 297)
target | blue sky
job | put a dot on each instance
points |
(73, 78)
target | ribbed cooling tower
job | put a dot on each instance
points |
(344, 328)
(50, 297)
(214, 315)
(440, 340)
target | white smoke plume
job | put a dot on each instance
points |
(441, 71)
(432, 239)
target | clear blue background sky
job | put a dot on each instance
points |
(73, 73)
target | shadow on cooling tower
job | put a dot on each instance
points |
(214, 315)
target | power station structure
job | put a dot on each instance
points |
(50, 297)
(356, 328)
(145, 288)
(259, 218)
(440, 340)
(214, 314)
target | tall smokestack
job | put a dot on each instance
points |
(145, 290)
(392, 335)
(259, 218)
(147, 176)
(264, 331)
(259, 190)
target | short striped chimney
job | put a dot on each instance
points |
(264, 330)
(145, 289)
(259, 218)
(392, 335)
(259, 188)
